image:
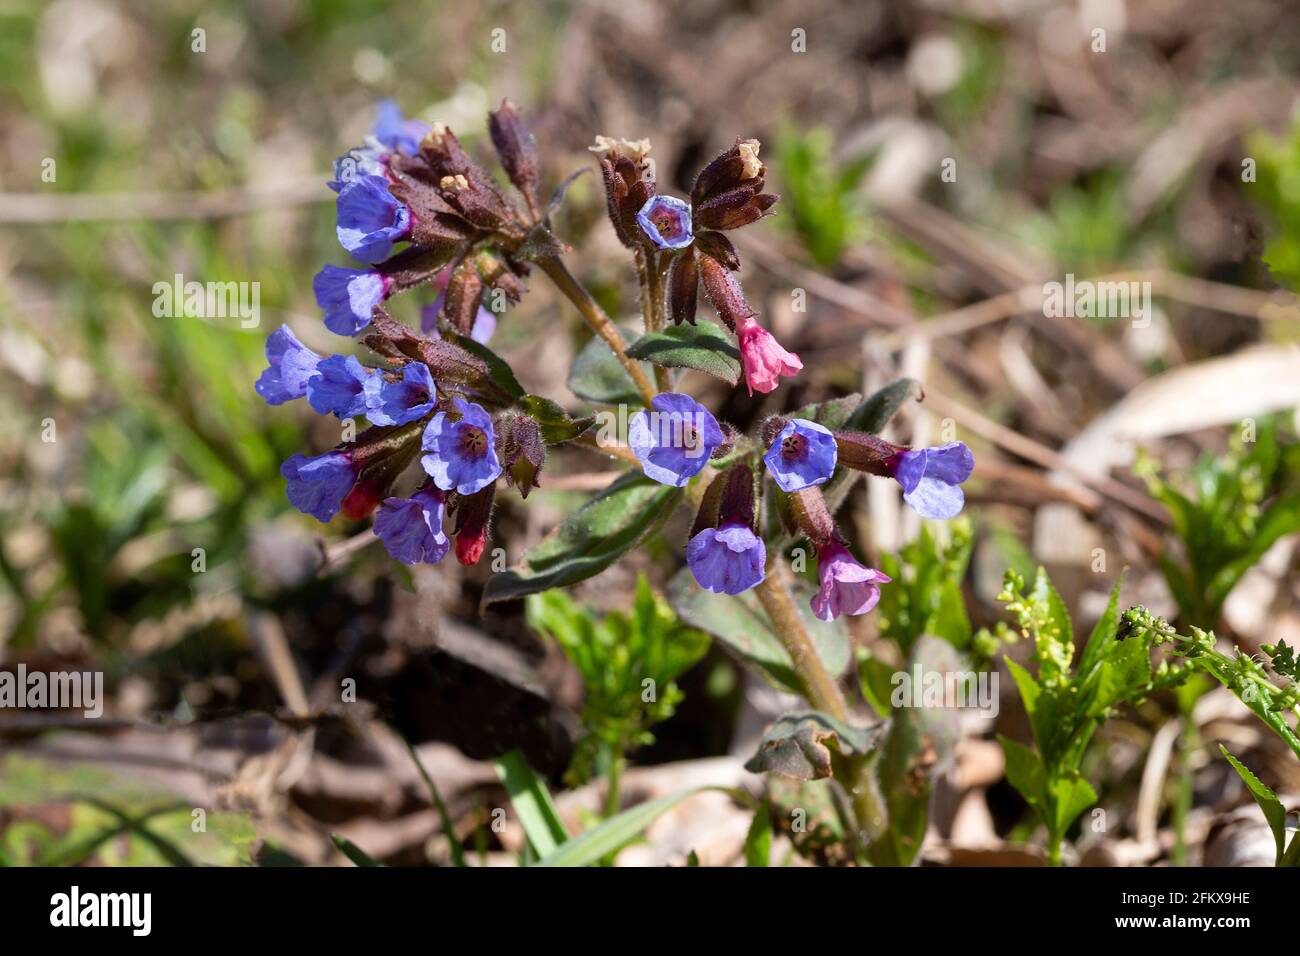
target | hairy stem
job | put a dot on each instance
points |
(652, 307)
(600, 323)
(822, 692)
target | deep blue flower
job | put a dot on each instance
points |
(290, 365)
(930, 478)
(410, 397)
(803, 454)
(674, 441)
(667, 221)
(391, 133)
(728, 559)
(411, 528)
(339, 387)
(317, 485)
(461, 455)
(349, 297)
(370, 219)
(391, 130)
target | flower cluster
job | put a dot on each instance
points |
(676, 439)
(417, 211)
(433, 397)
(685, 242)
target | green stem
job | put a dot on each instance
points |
(600, 323)
(822, 692)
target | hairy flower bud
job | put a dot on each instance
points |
(473, 515)
(517, 148)
(521, 450)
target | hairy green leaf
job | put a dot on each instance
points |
(704, 347)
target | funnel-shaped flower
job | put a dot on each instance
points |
(316, 486)
(289, 366)
(370, 220)
(674, 440)
(764, 359)
(411, 528)
(461, 455)
(847, 587)
(802, 454)
(666, 221)
(349, 297)
(930, 478)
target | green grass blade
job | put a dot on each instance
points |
(532, 801)
(353, 852)
(457, 853)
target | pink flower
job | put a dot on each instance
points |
(847, 586)
(765, 360)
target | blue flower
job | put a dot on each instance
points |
(673, 442)
(349, 297)
(317, 485)
(396, 133)
(290, 365)
(339, 387)
(367, 160)
(411, 528)
(409, 398)
(667, 221)
(370, 219)
(803, 454)
(461, 455)
(391, 133)
(728, 559)
(930, 478)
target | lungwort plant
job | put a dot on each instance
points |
(449, 420)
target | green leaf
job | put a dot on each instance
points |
(353, 852)
(590, 539)
(616, 832)
(1025, 772)
(1070, 795)
(498, 370)
(833, 413)
(758, 841)
(598, 376)
(740, 623)
(920, 742)
(1103, 634)
(532, 801)
(875, 412)
(875, 680)
(799, 745)
(555, 424)
(704, 347)
(1274, 812)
